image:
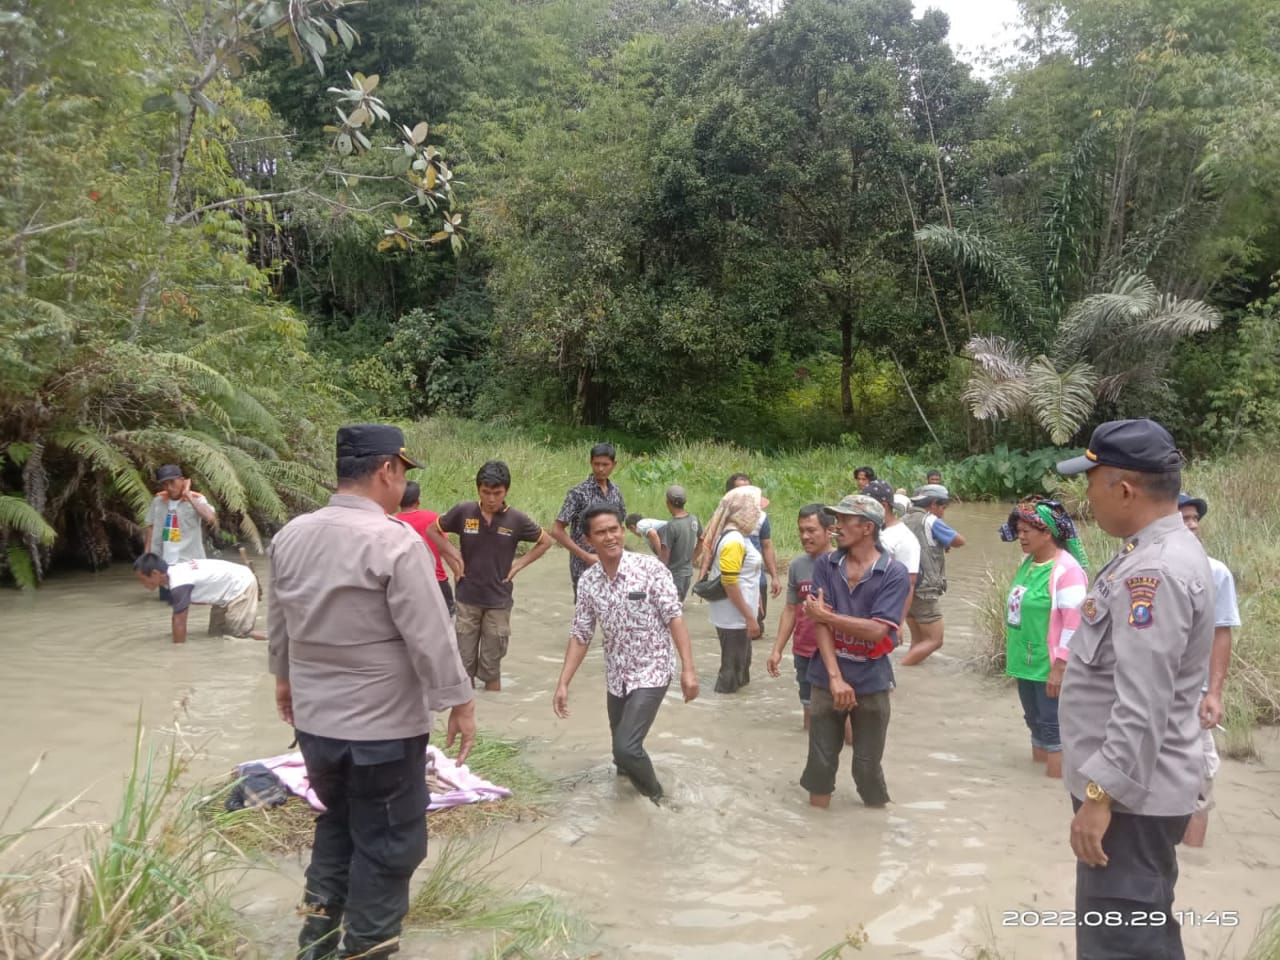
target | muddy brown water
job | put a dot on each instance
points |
(973, 851)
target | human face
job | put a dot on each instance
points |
(933, 478)
(490, 498)
(937, 508)
(1112, 499)
(852, 531)
(861, 479)
(601, 467)
(150, 580)
(605, 536)
(742, 482)
(1034, 541)
(387, 487)
(1190, 518)
(174, 487)
(814, 537)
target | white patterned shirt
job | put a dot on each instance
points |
(634, 611)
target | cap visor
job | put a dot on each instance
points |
(1076, 465)
(410, 462)
(837, 511)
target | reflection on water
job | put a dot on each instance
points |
(739, 867)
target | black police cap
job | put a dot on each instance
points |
(1140, 445)
(372, 440)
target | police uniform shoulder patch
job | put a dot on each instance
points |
(1142, 601)
(1089, 608)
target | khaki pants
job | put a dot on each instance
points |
(483, 635)
(238, 617)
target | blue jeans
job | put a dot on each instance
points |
(802, 676)
(1041, 713)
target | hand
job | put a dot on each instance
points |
(753, 628)
(560, 702)
(516, 567)
(458, 567)
(688, 685)
(284, 700)
(1088, 827)
(775, 586)
(1054, 685)
(772, 663)
(816, 608)
(1210, 711)
(462, 722)
(186, 489)
(842, 694)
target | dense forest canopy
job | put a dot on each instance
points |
(228, 226)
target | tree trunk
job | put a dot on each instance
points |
(846, 364)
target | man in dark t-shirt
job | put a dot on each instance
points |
(488, 533)
(679, 540)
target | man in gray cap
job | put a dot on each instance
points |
(924, 616)
(362, 654)
(1132, 756)
(680, 540)
(855, 604)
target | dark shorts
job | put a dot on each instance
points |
(802, 676)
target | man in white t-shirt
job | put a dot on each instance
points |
(898, 541)
(1226, 614)
(230, 588)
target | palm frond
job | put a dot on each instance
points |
(298, 483)
(999, 356)
(21, 568)
(1061, 400)
(1174, 319)
(18, 515)
(262, 495)
(204, 378)
(100, 452)
(1109, 316)
(204, 457)
(993, 398)
(1006, 271)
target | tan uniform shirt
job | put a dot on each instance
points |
(1128, 714)
(357, 626)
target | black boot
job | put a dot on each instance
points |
(321, 931)
(369, 950)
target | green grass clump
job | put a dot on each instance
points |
(290, 829)
(463, 893)
(155, 882)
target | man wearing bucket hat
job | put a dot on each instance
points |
(362, 655)
(1226, 614)
(1128, 711)
(855, 605)
(924, 617)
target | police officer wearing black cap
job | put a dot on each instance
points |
(362, 653)
(1132, 756)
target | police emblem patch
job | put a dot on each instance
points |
(1089, 609)
(1142, 601)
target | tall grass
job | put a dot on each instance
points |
(543, 470)
(1242, 529)
(463, 892)
(155, 882)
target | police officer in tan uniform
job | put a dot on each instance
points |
(362, 653)
(1131, 743)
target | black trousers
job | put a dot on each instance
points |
(1124, 911)
(735, 660)
(371, 837)
(630, 717)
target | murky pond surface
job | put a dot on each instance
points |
(741, 867)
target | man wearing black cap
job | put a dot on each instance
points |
(173, 530)
(1128, 713)
(362, 655)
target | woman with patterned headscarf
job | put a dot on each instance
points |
(739, 564)
(1042, 612)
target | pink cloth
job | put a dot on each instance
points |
(462, 785)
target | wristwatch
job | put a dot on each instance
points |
(1097, 794)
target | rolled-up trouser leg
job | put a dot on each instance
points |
(826, 740)
(634, 715)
